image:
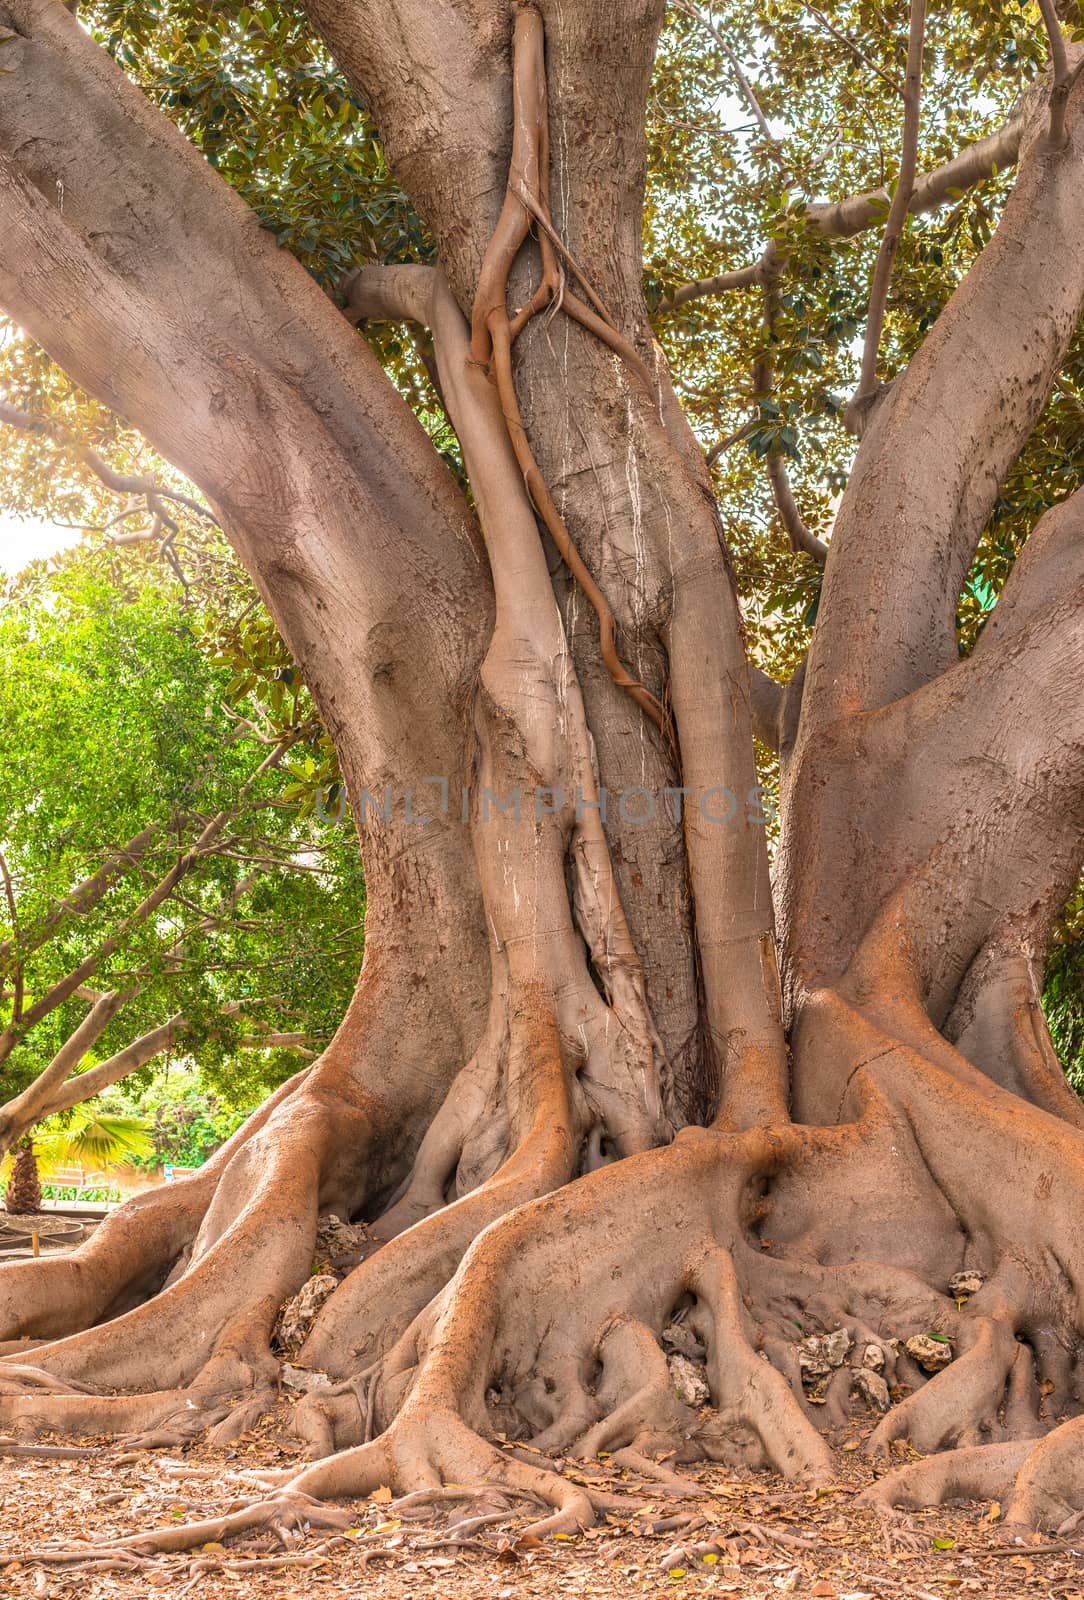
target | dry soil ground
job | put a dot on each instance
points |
(747, 1536)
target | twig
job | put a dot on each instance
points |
(856, 50)
(120, 483)
(740, 278)
(723, 445)
(775, 149)
(801, 537)
(1031, 1550)
(897, 212)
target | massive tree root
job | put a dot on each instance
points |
(755, 1245)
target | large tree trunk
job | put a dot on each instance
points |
(549, 996)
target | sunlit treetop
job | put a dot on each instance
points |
(756, 114)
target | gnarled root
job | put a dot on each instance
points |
(1041, 1483)
(550, 1334)
(196, 1353)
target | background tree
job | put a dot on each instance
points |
(163, 889)
(550, 994)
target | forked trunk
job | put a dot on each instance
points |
(572, 1096)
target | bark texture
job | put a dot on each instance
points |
(572, 1097)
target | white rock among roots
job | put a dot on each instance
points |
(970, 1281)
(931, 1354)
(871, 1387)
(689, 1380)
(299, 1313)
(820, 1353)
(873, 1358)
(301, 1378)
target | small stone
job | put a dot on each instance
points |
(970, 1281)
(873, 1358)
(931, 1354)
(689, 1380)
(677, 1337)
(820, 1353)
(871, 1387)
(301, 1378)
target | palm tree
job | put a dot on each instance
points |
(87, 1137)
(22, 1197)
(91, 1137)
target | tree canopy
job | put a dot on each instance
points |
(126, 737)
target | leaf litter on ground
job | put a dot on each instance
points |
(748, 1535)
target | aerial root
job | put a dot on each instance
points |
(493, 330)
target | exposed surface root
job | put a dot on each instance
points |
(563, 1325)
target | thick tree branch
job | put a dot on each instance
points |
(739, 278)
(85, 1085)
(1064, 75)
(936, 451)
(1050, 565)
(802, 538)
(973, 790)
(33, 1103)
(179, 311)
(842, 219)
(766, 703)
(54, 1091)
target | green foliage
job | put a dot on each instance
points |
(99, 1194)
(1063, 990)
(186, 1121)
(92, 1137)
(121, 713)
